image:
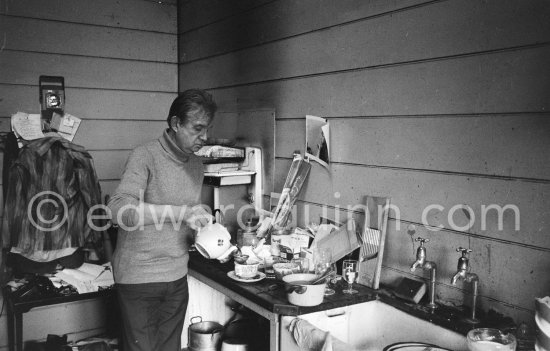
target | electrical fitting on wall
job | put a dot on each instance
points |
(52, 96)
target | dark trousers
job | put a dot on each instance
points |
(152, 315)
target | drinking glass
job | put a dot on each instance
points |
(349, 273)
(303, 264)
(323, 263)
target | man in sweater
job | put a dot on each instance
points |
(157, 209)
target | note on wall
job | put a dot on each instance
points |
(66, 125)
(317, 140)
(27, 126)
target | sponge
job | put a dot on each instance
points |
(410, 289)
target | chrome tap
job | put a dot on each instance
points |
(463, 273)
(422, 263)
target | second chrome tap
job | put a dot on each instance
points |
(422, 263)
(463, 273)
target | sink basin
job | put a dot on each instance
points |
(374, 325)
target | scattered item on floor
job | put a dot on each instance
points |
(310, 338)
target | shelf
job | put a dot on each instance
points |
(228, 178)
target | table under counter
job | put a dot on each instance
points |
(262, 298)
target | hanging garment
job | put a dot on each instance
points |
(52, 187)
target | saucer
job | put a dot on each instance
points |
(254, 279)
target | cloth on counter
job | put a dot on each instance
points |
(58, 179)
(310, 338)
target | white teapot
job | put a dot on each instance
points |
(213, 241)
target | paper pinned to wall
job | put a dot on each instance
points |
(66, 125)
(27, 126)
(318, 140)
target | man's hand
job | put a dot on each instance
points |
(198, 217)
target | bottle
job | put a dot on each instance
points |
(249, 233)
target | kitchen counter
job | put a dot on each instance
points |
(265, 297)
(268, 299)
(264, 293)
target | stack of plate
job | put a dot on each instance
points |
(542, 317)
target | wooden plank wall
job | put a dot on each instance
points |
(119, 60)
(430, 102)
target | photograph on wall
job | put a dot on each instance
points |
(317, 140)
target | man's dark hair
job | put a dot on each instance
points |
(191, 100)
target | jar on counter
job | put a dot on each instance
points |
(247, 236)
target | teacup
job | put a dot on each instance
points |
(246, 270)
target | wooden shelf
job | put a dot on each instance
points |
(228, 178)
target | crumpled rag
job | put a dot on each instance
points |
(310, 338)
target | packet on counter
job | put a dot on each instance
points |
(292, 244)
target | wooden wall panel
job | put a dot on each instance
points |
(273, 21)
(155, 16)
(489, 83)
(67, 38)
(86, 72)
(117, 135)
(91, 103)
(195, 14)
(439, 102)
(416, 193)
(405, 36)
(491, 260)
(109, 164)
(495, 145)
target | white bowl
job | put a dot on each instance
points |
(313, 294)
(285, 268)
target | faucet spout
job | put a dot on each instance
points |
(416, 264)
(461, 274)
(424, 264)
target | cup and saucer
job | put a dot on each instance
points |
(246, 272)
(256, 278)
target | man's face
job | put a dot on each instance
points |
(191, 136)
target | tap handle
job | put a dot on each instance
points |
(463, 251)
(422, 240)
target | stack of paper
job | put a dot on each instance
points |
(88, 277)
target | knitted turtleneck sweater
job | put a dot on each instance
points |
(158, 172)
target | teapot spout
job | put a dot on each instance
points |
(226, 256)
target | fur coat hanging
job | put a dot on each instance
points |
(52, 187)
